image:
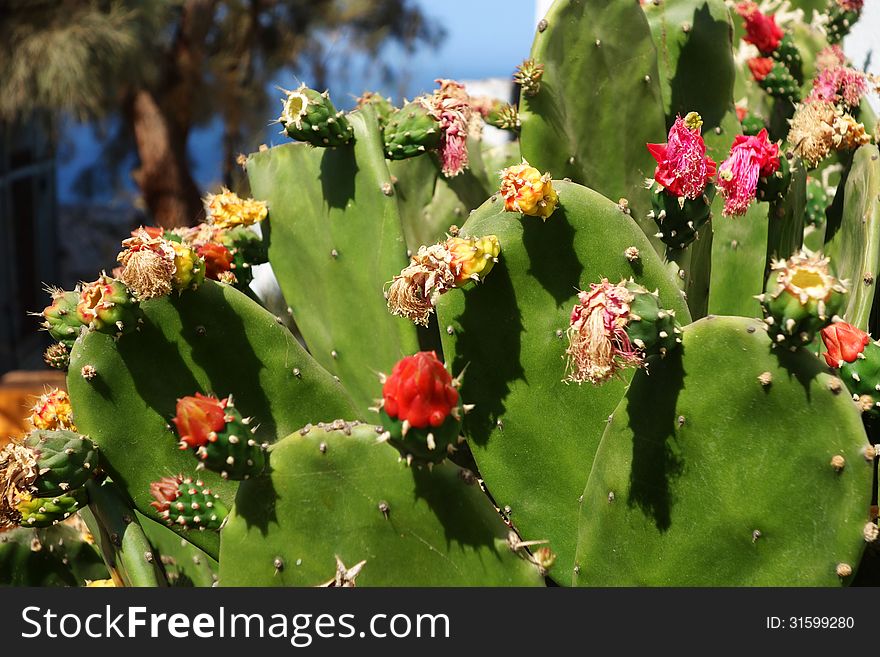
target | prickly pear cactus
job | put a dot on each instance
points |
(510, 332)
(855, 246)
(340, 510)
(569, 127)
(334, 240)
(213, 339)
(56, 556)
(696, 476)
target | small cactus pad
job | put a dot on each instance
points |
(855, 246)
(55, 556)
(187, 503)
(47, 511)
(510, 332)
(213, 338)
(734, 481)
(336, 496)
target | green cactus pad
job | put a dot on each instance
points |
(66, 460)
(210, 339)
(855, 247)
(311, 117)
(185, 565)
(785, 231)
(510, 332)
(54, 556)
(595, 134)
(739, 249)
(704, 480)
(334, 240)
(411, 131)
(337, 493)
(47, 511)
(817, 202)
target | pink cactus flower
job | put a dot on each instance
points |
(683, 167)
(450, 105)
(851, 5)
(751, 158)
(839, 84)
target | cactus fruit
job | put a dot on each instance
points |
(57, 356)
(311, 117)
(856, 356)
(788, 55)
(107, 306)
(411, 131)
(420, 409)
(774, 78)
(472, 257)
(45, 465)
(614, 327)
(681, 201)
(526, 190)
(40, 512)
(382, 106)
(842, 15)
(60, 318)
(774, 186)
(802, 297)
(189, 268)
(228, 210)
(52, 411)
(528, 76)
(221, 437)
(750, 159)
(752, 124)
(187, 503)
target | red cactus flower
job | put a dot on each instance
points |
(419, 391)
(741, 113)
(683, 167)
(751, 158)
(844, 343)
(164, 492)
(218, 259)
(198, 417)
(761, 30)
(760, 67)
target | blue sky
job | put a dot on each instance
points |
(484, 38)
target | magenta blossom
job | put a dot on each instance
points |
(839, 84)
(751, 158)
(683, 168)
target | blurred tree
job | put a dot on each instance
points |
(165, 66)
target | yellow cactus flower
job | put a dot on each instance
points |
(472, 257)
(52, 411)
(100, 583)
(189, 269)
(227, 210)
(525, 189)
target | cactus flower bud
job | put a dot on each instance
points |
(52, 411)
(844, 343)
(760, 67)
(751, 158)
(221, 438)
(218, 259)
(57, 356)
(420, 408)
(472, 257)
(60, 317)
(310, 116)
(761, 30)
(524, 189)
(227, 210)
(528, 76)
(198, 417)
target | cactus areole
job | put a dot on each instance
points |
(420, 408)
